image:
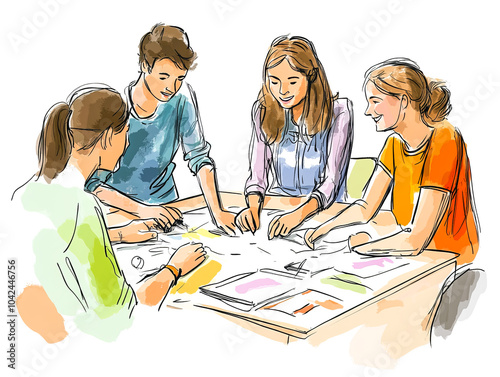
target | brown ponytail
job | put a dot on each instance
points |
(400, 76)
(80, 123)
(54, 143)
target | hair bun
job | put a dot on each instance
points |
(440, 106)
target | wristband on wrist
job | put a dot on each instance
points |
(174, 271)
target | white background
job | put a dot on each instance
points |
(49, 51)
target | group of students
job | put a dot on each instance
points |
(98, 147)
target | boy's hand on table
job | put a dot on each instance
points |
(188, 257)
(248, 220)
(282, 225)
(166, 216)
(226, 221)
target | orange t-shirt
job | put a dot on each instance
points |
(441, 164)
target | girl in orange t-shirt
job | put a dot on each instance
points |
(424, 159)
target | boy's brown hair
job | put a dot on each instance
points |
(169, 42)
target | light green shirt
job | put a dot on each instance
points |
(75, 262)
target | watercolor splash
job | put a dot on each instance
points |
(276, 304)
(387, 304)
(303, 303)
(371, 262)
(201, 276)
(40, 314)
(329, 304)
(345, 281)
(195, 235)
(256, 284)
(305, 309)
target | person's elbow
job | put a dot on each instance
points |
(102, 193)
(416, 241)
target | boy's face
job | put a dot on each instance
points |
(164, 80)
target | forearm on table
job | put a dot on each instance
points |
(357, 213)
(430, 208)
(409, 241)
(154, 289)
(403, 243)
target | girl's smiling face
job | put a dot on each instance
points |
(288, 86)
(383, 108)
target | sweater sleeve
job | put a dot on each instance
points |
(260, 157)
(196, 149)
(339, 153)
